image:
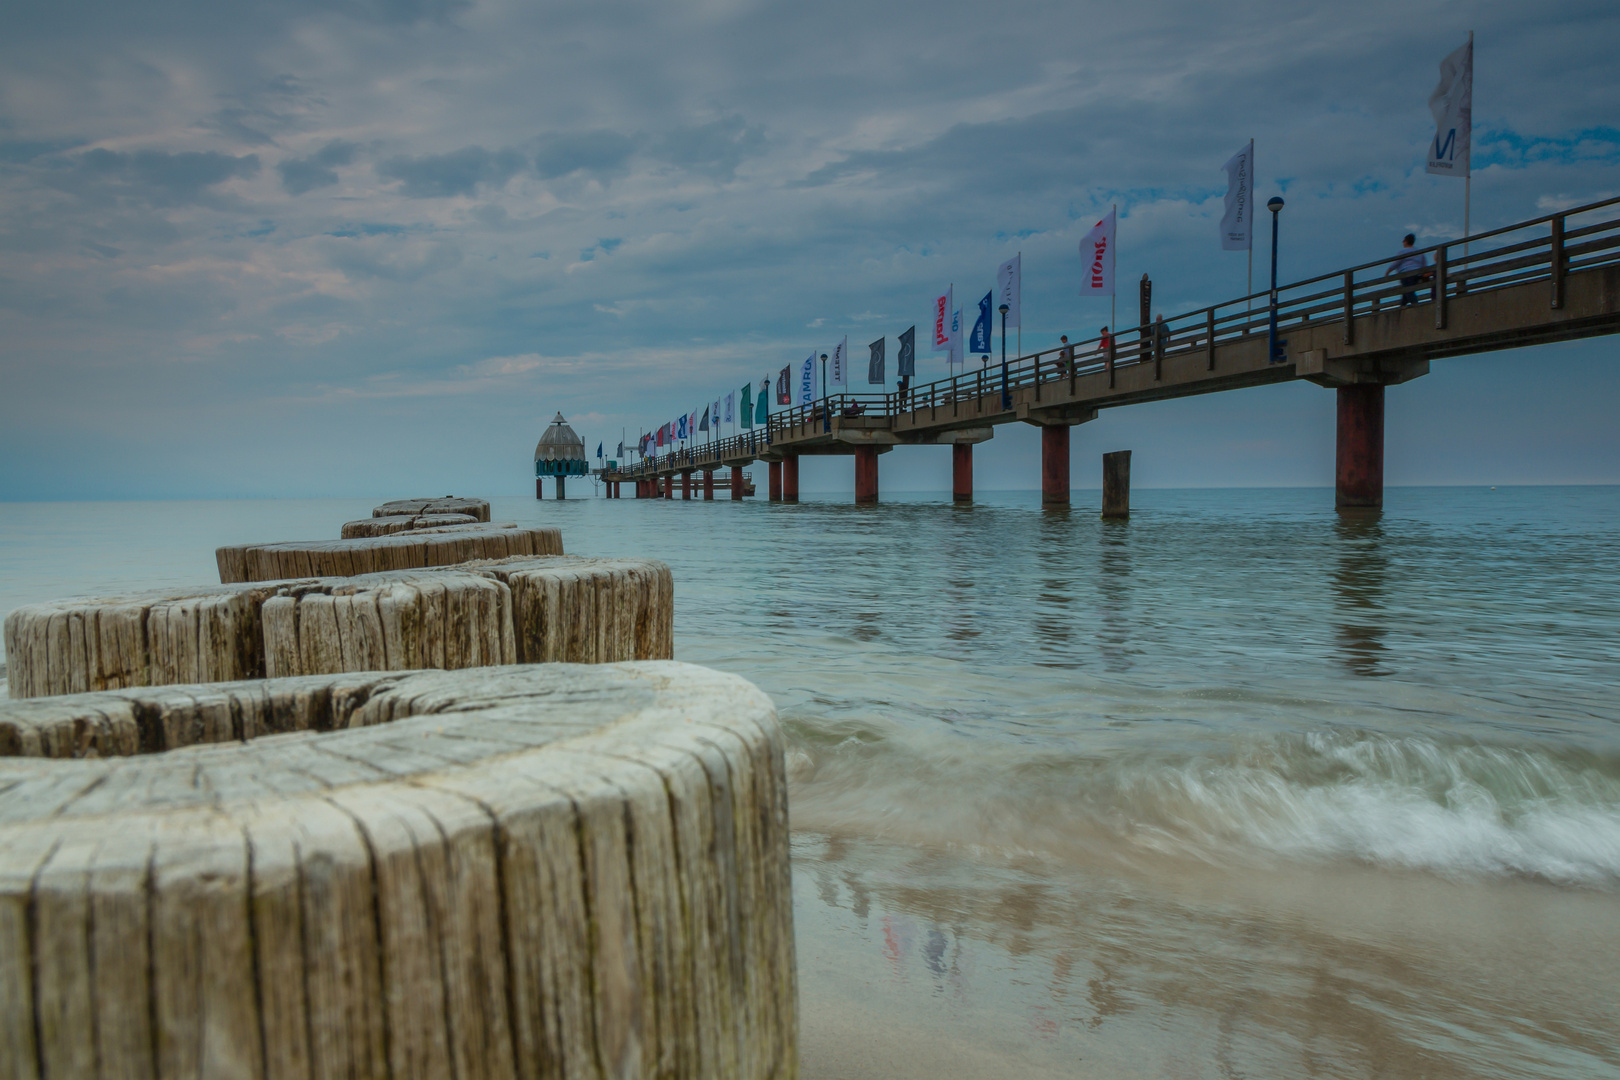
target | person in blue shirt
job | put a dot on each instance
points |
(1412, 266)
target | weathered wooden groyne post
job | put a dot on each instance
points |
(1116, 493)
(533, 871)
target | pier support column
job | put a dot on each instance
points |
(866, 474)
(561, 488)
(1359, 480)
(1117, 485)
(962, 472)
(736, 484)
(708, 485)
(776, 481)
(539, 491)
(1055, 464)
(686, 484)
(790, 478)
(669, 486)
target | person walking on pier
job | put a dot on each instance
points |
(1104, 342)
(1412, 266)
(1065, 357)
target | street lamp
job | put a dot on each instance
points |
(1273, 344)
(1006, 398)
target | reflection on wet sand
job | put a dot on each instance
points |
(1177, 969)
(1358, 588)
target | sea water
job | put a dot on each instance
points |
(1236, 788)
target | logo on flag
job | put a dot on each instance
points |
(1009, 284)
(807, 380)
(730, 408)
(942, 321)
(955, 355)
(1452, 105)
(906, 363)
(837, 374)
(1097, 252)
(979, 340)
(784, 386)
(874, 366)
(1237, 223)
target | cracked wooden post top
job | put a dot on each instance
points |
(368, 555)
(398, 523)
(521, 872)
(449, 504)
(520, 610)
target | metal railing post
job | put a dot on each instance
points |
(1349, 307)
(1558, 262)
(1209, 336)
(1440, 288)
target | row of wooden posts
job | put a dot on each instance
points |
(784, 478)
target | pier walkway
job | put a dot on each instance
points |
(1554, 278)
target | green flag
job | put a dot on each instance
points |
(747, 409)
(763, 413)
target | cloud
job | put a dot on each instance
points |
(599, 154)
(300, 175)
(159, 176)
(714, 149)
(460, 172)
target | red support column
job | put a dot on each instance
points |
(537, 492)
(1055, 465)
(686, 484)
(962, 472)
(790, 478)
(736, 483)
(1360, 465)
(669, 486)
(708, 485)
(866, 474)
(776, 481)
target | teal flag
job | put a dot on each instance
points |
(747, 409)
(763, 413)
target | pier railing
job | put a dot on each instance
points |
(1544, 249)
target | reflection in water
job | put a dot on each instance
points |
(1055, 611)
(1114, 594)
(1358, 586)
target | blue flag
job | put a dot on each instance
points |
(598, 449)
(979, 340)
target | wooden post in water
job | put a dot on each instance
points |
(776, 481)
(1055, 464)
(1117, 485)
(962, 472)
(866, 474)
(790, 478)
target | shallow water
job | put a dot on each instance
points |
(1237, 788)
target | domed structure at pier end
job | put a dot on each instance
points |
(560, 453)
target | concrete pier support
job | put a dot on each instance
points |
(736, 484)
(1055, 465)
(669, 486)
(1117, 485)
(686, 484)
(790, 478)
(708, 485)
(776, 481)
(539, 488)
(1359, 480)
(962, 472)
(866, 474)
(561, 488)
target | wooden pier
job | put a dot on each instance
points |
(1554, 278)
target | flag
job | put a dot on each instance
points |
(747, 409)
(955, 354)
(620, 454)
(1452, 104)
(663, 435)
(1237, 224)
(599, 454)
(807, 380)
(1097, 253)
(691, 427)
(874, 366)
(942, 320)
(979, 340)
(680, 429)
(730, 404)
(703, 424)
(784, 386)
(762, 411)
(1009, 284)
(905, 365)
(838, 367)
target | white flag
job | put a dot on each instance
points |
(807, 380)
(1452, 104)
(942, 320)
(714, 417)
(1237, 224)
(955, 355)
(730, 405)
(837, 366)
(1097, 253)
(1009, 283)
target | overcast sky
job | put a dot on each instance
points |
(372, 246)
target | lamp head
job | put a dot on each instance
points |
(1005, 309)
(824, 356)
(1274, 203)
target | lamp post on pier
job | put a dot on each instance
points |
(1006, 397)
(1273, 345)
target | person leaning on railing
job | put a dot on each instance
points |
(1065, 358)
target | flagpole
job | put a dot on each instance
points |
(1468, 181)
(1113, 283)
(1249, 291)
(1020, 308)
